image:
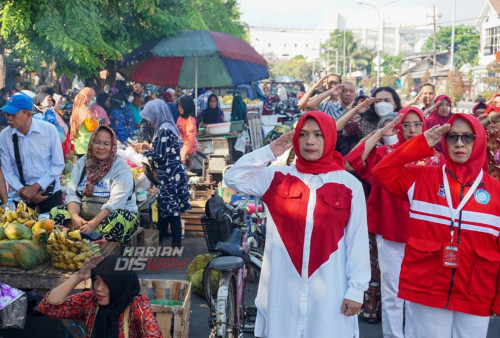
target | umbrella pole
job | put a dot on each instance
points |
(196, 86)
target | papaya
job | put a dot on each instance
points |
(29, 223)
(7, 258)
(2, 233)
(7, 245)
(48, 225)
(37, 249)
(40, 236)
(25, 256)
(15, 231)
(38, 225)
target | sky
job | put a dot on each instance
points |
(300, 14)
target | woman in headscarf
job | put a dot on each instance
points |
(316, 262)
(45, 111)
(238, 108)
(490, 120)
(82, 122)
(212, 114)
(100, 196)
(440, 114)
(121, 119)
(173, 198)
(169, 99)
(187, 129)
(114, 306)
(450, 271)
(387, 214)
(479, 109)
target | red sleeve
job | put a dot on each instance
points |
(496, 301)
(356, 161)
(74, 307)
(145, 318)
(191, 135)
(391, 172)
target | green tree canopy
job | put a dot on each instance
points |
(466, 40)
(298, 68)
(82, 36)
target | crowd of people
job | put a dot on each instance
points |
(411, 238)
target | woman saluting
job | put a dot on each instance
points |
(316, 263)
(449, 274)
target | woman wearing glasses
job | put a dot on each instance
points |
(450, 271)
(388, 214)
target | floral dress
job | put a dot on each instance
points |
(173, 198)
(493, 145)
(83, 307)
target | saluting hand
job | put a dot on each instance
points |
(92, 262)
(434, 135)
(389, 130)
(282, 143)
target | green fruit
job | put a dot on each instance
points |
(25, 256)
(16, 231)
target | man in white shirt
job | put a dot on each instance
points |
(34, 175)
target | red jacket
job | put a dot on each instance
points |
(473, 287)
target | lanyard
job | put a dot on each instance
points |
(454, 212)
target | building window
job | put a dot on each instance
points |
(492, 40)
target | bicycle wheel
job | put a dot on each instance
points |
(226, 319)
(251, 288)
(210, 282)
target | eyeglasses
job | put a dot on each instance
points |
(465, 138)
(408, 125)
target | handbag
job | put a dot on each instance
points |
(90, 206)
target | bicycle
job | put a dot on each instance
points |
(236, 270)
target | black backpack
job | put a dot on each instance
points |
(215, 208)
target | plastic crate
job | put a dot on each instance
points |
(214, 231)
(173, 320)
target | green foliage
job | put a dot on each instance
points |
(409, 82)
(392, 64)
(298, 68)
(467, 39)
(358, 58)
(487, 94)
(82, 36)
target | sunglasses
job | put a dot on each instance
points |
(465, 138)
(408, 125)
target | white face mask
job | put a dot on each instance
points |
(383, 108)
(388, 140)
(130, 98)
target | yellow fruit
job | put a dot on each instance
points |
(48, 224)
(37, 226)
(29, 223)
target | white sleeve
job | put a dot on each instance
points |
(71, 195)
(250, 174)
(358, 253)
(122, 186)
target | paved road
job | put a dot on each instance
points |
(38, 326)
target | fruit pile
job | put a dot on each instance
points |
(69, 251)
(21, 215)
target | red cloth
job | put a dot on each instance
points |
(474, 287)
(331, 160)
(387, 215)
(83, 306)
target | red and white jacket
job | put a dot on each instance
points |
(474, 286)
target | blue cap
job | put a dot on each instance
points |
(18, 102)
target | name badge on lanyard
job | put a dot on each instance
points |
(451, 251)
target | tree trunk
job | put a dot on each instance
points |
(111, 73)
(3, 68)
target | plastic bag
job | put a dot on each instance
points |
(13, 307)
(241, 143)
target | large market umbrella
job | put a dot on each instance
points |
(195, 59)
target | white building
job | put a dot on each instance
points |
(401, 33)
(488, 24)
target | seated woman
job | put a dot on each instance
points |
(100, 195)
(212, 114)
(112, 308)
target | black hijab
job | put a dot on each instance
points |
(210, 114)
(123, 288)
(187, 104)
(101, 101)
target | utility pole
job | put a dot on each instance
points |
(434, 27)
(343, 64)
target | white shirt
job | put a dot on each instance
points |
(299, 300)
(41, 156)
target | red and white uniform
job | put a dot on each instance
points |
(316, 250)
(473, 287)
(316, 247)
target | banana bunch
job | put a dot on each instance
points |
(248, 101)
(69, 251)
(22, 214)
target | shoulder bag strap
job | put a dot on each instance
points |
(18, 158)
